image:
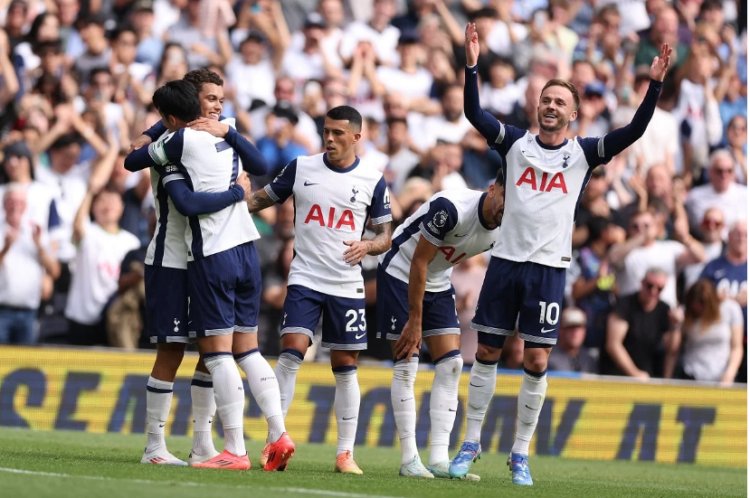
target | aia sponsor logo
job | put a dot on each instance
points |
(334, 219)
(546, 182)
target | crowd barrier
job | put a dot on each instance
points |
(584, 417)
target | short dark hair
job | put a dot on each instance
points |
(347, 113)
(565, 84)
(500, 175)
(120, 29)
(178, 98)
(203, 75)
(65, 140)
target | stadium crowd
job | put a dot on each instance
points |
(658, 282)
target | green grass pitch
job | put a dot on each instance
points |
(72, 464)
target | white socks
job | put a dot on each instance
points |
(158, 403)
(443, 405)
(481, 390)
(204, 408)
(265, 389)
(405, 406)
(286, 374)
(230, 399)
(346, 406)
(530, 400)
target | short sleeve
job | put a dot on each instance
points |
(441, 218)
(283, 185)
(380, 208)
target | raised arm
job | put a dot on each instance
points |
(482, 120)
(618, 140)
(411, 336)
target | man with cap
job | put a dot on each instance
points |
(310, 61)
(569, 356)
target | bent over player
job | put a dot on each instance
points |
(416, 299)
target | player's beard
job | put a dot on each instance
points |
(561, 123)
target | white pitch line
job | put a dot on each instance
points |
(301, 491)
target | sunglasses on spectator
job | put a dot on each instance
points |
(651, 286)
(711, 223)
(723, 171)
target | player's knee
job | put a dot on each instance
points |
(344, 359)
(488, 354)
(535, 359)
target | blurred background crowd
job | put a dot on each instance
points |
(658, 285)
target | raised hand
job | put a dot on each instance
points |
(472, 44)
(660, 65)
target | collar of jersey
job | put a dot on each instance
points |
(479, 212)
(337, 169)
(550, 147)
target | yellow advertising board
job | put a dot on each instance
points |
(587, 418)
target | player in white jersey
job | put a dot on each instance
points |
(416, 299)
(170, 275)
(223, 276)
(334, 196)
(545, 175)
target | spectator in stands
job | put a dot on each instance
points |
(711, 336)
(710, 235)
(722, 191)
(639, 331)
(100, 249)
(150, 45)
(10, 84)
(737, 146)
(252, 64)
(641, 251)
(663, 30)
(97, 52)
(204, 48)
(126, 314)
(594, 289)
(280, 146)
(409, 76)
(697, 111)
(450, 125)
(378, 30)
(310, 61)
(26, 256)
(401, 155)
(729, 274)
(569, 355)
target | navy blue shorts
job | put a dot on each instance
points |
(344, 325)
(166, 304)
(527, 293)
(439, 315)
(225, 292)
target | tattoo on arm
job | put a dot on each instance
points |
(382, 240)
(259, 201)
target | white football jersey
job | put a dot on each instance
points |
(331, 206)
(450, 220)
(168, 247)
(208, 164)
(543, 187)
